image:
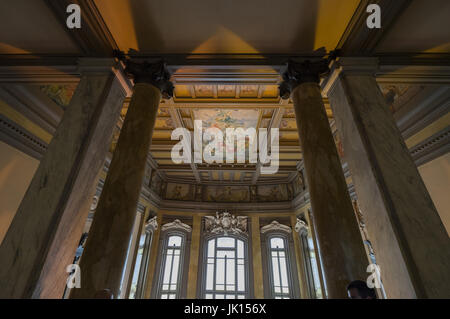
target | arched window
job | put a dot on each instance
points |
(225, 268)
(142, 258)
(173, 261)
(281, 280)
(310, 260)
(278, 265)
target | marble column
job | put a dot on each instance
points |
(45, 231)
(105, 253)
(407, 234)
(340, 244)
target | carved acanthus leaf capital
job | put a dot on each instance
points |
(302, 72)
(154, 73)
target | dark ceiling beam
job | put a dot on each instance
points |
(94, 37)
(274, 60)
(358, 39)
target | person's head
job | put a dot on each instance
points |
(358, 289)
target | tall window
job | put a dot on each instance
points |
(225, 268)
(171, 268)
(142, 258)
(171, 283)
(279, 268)
(310, 260)
(280, 272)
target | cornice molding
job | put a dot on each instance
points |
(431, 148)
(176, 225)
(276, 226)
(18, 137)
(212, 207)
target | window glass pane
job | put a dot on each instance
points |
(208, 296)
(276, 272)
(176, 263)
(167, 268)
(175, 241)
(230, 271)
(220, 271)
(277, 242)
(315, 269)
(225, 242)
(241, 278)
(240, 249)
(209, 277)
(283, 270)
(211, 244)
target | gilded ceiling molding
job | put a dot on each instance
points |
(226, 223)
(276, 226)
(176, 225)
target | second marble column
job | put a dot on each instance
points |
(340, 245)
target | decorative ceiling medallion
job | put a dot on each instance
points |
(301, 225)
(176, 225)
(275, 226)
(226, 223)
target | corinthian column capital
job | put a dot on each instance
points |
(302, 72)
(154, 73)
